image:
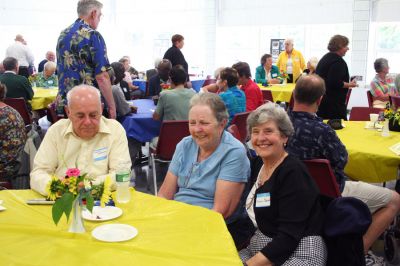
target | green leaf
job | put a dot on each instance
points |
(57, 211)
(89, 202)
(67, 200)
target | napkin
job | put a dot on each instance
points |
(395, 148)
(2, 208)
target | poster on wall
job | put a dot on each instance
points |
(277, 46)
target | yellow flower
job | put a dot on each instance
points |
(51, 188)
(105, 197)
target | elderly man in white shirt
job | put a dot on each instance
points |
(22, 53)
(86, 140)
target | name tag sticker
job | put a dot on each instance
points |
(100, 154)
(263, 200)
(274, 75)
(50, 82)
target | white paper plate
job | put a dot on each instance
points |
(102, 214)
(114, 232)
(2, 208)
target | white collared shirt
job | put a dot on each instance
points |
(21, 52)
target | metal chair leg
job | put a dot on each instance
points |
(153, 162)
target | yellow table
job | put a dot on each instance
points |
(280, 92)
(42, 97)
(370, 159)
(170, 233)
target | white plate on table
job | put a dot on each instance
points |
(114, 232)
(99, 214)
(2, 208)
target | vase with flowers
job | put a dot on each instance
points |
(394, 118)
(71, 192)
(283, 76)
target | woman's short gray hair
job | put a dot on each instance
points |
(271, 112)
(380, 64)
(85, 6)
(213, 101)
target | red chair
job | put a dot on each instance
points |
(321, 171)
(209, 81)
(240, 120)
(51, 114)
(348, 97)
(395, 101)
(4, 184)
(171, 133)
(19, 104)
(362, 113)
(233, 129)
(370, 99)
(267, 95)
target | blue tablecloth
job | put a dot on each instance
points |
(197, 84)
(141, 126)
(141, 83)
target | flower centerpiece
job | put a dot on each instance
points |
(71, 192)
(283, 76)
(393, 117)
(32, 79)
(165, 86)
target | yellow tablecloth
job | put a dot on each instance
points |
(43, 97)
(170, 233)
(370, 159)
(280, 92)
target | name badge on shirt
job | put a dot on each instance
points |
(274, 75)
(50, 82)
(100, 154)
(263, 200)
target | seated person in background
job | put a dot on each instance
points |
(50, 56)
(12, 137)
(233, 97)
(267, 73)
(313, 139)
(121, 105)
(213, 87)
(161, 78)
(47, 78)
(284, 200)
(254, 97)
(134, 90)
(174, 104)
(85, 140)
(311, 66)
(382, 86)
(151, 72)
(210, 168)
(17, 85)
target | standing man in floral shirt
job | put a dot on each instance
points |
(82, 57)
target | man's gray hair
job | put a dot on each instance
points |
(271, 112)
(82, 87)
(289, 41)
(213, 101)
(49, 65)
(86, 6)
(380, 64)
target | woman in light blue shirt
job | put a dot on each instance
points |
(210, 168)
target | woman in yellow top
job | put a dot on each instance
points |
(291, 62)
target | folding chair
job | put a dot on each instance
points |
(240, 120)
(267, 95)
(370, 99)
(321, 171)
(233, 129)
(19, 104)
(51, 114)
(362, 113)
(171, 133)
